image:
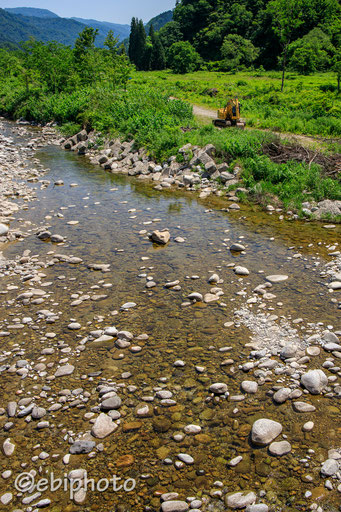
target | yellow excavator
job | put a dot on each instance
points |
(230, 115)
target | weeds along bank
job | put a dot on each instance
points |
(205, 170)
(145, 114)
(308, 105)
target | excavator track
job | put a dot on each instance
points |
(222, 123)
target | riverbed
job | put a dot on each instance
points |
(88, 289)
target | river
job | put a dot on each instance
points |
(172, 351)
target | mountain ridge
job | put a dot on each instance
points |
(20, 23)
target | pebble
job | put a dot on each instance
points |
(174, 506)
(3, 229)
(241, 271)
(219, 388)
(308, 427)
(8, 496)
(103, 426)
(240, 499)
(68, 369)
(249, 386)
(277, 278)
(80, 447)
(329, 467)
(303, 407)
(280, 448)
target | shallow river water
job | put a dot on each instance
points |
(114, 213)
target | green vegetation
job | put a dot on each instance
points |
(309, 105)
(270, 25)
(91, 87)
(159, 21)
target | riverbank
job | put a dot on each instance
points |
(205, 369)
(203, 170)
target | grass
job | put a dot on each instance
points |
(309, 105)
(144, 113)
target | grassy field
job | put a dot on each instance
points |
(143, 112)
(309, 105)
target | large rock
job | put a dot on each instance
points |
(329, 467)
(3, 229)
(240, 499)
(80, 447)
(114, 402)
(103, 426)
(160, 237)
(264, 431)
(314, 381)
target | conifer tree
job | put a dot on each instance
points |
(157, 58)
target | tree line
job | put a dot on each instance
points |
(54, 68)
(227, 35)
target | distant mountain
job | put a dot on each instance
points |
(15, 28)
(31, 11)
(159, 21)
(122, 31)
(20, 23)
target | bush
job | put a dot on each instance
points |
(238, 52)
(182, 58)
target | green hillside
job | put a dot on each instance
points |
(159, 21)
(122, 31)
(17, 28)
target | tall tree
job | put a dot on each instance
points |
(132, 40)
(137, 44)
(141, 56)
(84, 54)
(157, 58)
(287, 16)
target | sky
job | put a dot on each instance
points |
(115, 11)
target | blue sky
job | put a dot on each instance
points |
(116, 11)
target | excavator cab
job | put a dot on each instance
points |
(230, 115)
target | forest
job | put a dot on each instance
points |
(226, 35)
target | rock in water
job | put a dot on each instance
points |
(240, 499)
(160, 237)
(3, 229)
(264, 431)
(277, 278)
(64, 370)
(280, 448)
(174, 506)
(103, 426)
(80, 447)
(314, 381)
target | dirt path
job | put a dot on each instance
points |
(304, 140)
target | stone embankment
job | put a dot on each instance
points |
(193, 168)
